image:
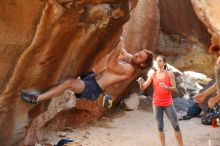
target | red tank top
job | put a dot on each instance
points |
(161, 97)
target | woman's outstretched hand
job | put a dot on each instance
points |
(140, 80)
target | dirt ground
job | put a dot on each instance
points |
(138, 128)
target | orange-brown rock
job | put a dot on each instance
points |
(46, 41)
(184, 40)
(43, 42)
(141, 31)
(209, 13)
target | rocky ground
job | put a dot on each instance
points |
(136, 128)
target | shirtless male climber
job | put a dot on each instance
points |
(121, 66)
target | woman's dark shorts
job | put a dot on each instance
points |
(92, 89)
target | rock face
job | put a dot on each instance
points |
(141, 31)
(184, 40)
(209, 13)
(43, 42)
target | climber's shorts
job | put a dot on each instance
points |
(92, 89)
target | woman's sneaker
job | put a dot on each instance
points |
(29, 97)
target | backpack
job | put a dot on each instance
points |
(209, 117)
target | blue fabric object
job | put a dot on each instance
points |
(63, 141)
